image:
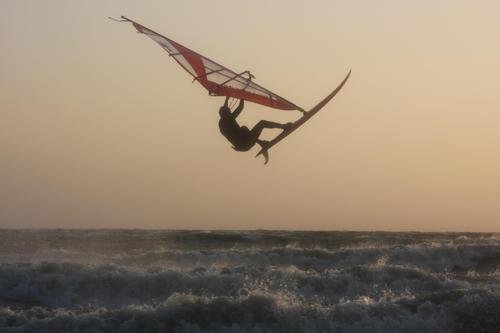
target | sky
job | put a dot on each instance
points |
(99, 128)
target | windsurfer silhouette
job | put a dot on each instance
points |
(242, 138)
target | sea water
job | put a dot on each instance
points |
(252, 281)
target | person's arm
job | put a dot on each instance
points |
(227, 100)
(238, 110)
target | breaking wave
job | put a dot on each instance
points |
(259, 281)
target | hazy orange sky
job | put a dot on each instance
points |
(100, 128)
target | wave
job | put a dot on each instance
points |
(71, 285)
(266, 313)
(125, 240)
(260, 281)
(436, 258)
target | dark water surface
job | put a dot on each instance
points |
(259, 281)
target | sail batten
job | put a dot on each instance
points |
(217, 79)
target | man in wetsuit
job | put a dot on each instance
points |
(241, 137)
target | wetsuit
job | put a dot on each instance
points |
(240, 136)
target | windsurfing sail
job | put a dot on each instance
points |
(217, 79)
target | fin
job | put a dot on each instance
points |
(264, 153)
(266, 156)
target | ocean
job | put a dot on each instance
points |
(248, 281)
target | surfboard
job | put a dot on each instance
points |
(307, 115)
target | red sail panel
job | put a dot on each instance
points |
(217, 79)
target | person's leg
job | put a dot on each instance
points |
(257, 129)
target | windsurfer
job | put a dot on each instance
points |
(241, 137)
